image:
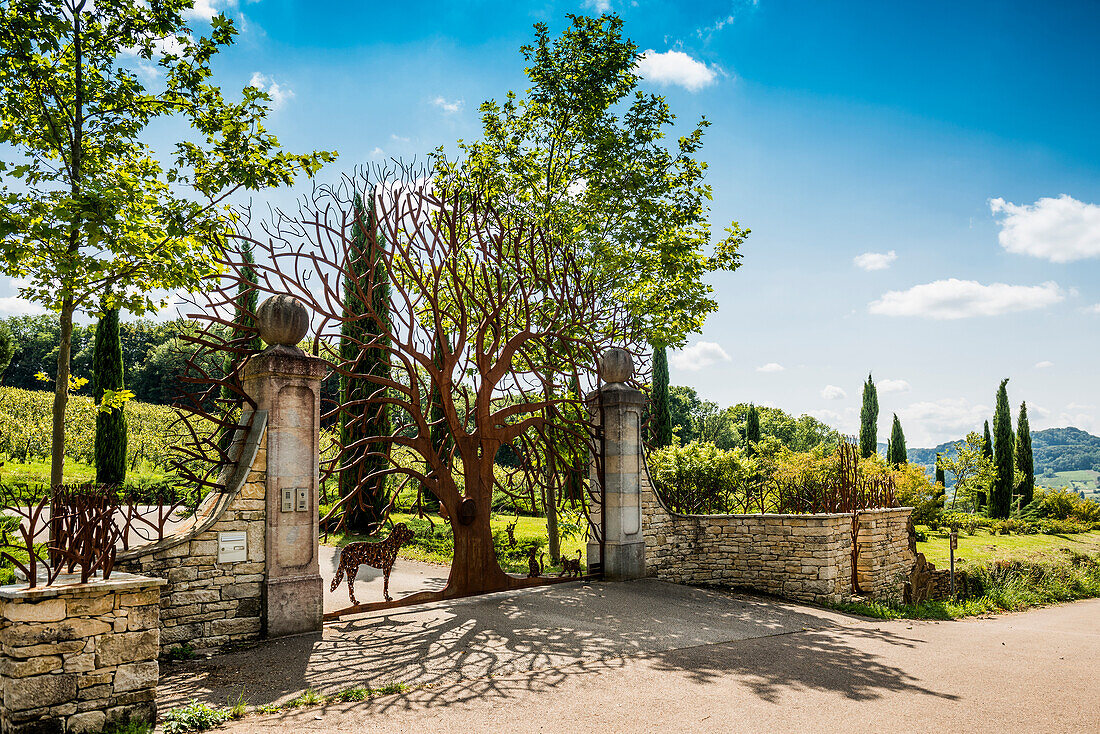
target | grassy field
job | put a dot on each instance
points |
(435, 549)
(983, 547)
(1079, 481)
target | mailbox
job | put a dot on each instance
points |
(232, 547)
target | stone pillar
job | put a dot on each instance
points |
(619, 409)
(286, 382)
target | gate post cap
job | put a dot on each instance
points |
(283, 320)
(616, 365)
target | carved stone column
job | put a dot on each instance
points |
(286, 382)
(619, 409)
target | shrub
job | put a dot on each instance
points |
(194, 716)
(700, 475)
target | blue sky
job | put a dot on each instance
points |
(953, 145)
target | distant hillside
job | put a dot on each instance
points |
(1056, 449)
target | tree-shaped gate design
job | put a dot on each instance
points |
(491, 339)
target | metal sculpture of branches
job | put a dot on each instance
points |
(78, 528)
(485, 317)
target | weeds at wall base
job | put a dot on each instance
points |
(1007, 586)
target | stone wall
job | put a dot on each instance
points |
(207, 604)
(884, 555)
(800, 557)
(78, 657)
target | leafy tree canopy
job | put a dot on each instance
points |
(582, 154)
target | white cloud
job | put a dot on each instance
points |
(1044, 364)
(892, 386)
(377, 153)
(932, 422)
(770, 367)
(832, 392)
(960, 299)
(278, 93)
(397, 138)
(698, 356)
(875, 260)
(148, 72)
(202, 10)
(1095, 308)
(1060, 230)
(675, 67)
(599, 6)
(448, 107)
(16, 306)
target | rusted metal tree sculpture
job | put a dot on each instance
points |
(485, 314)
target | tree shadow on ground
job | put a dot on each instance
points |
(533, 640)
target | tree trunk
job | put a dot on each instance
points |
(61, 394)
(551, 494)
(475, 569)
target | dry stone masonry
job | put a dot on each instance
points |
(79, 657)
(205, 603)
(802, 557)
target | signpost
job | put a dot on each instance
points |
(954, 545)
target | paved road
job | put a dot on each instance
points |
(653, 657)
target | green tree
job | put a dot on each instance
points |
(110, 420)
(582, 154)
(661, 417)
(897, 455)
(92, 207)
(752, 431)
(364, 346)
(941, 477)
(868, 420)
(7, 349)
(973, 472)
(1025, 459)
(1000, 494)
(987, 443)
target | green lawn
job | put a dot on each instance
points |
(527, 528)
(76, 472)
(982, 546)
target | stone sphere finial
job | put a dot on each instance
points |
(616, 365)
(283, 320)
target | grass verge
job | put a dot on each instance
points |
(197, 716)
(1003, 586)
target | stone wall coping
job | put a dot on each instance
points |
(118, 582)
(245, 446)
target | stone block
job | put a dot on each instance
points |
(13, 668)
(95, 678)
(136, 676)
(38, 691)
(127, 648)
(141, 618)
(139, 598)
(89, 606)
(46, 610)
(90, 721)
(81, 663)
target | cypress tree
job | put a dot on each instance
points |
(245, 334)
(897, 455)
(941, 477)
(110, 425)
(987, 444)
(662, 418)
(752, 430)
(363, 349)
(1000, 500)
(1025, 460)
(868, 420)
